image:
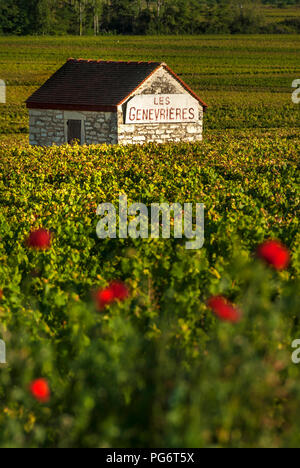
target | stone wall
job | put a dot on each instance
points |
(101, 127)
(161, 133)
(46, 127)
(161, 82)
(49, 127)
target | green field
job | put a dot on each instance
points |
(158, 369)
(274, 15)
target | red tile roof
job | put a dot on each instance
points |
(92, 85)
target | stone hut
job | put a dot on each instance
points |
(96, 102)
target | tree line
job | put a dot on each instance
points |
(87, 17)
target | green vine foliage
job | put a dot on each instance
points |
(159, 369)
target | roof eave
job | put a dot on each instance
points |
(70, 107)
(142, 82)
(205, 106)
(164, 65)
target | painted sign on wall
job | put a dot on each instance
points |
(162, 108)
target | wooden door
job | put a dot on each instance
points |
(74, 132)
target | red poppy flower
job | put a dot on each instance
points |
(40, 390)
(116, 291)
(120, 290)
(40, 239)
(275, 254)
(223, 309)
(1, 294)
(104, 297)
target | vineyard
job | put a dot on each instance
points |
(245, 80)
(140, 342)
